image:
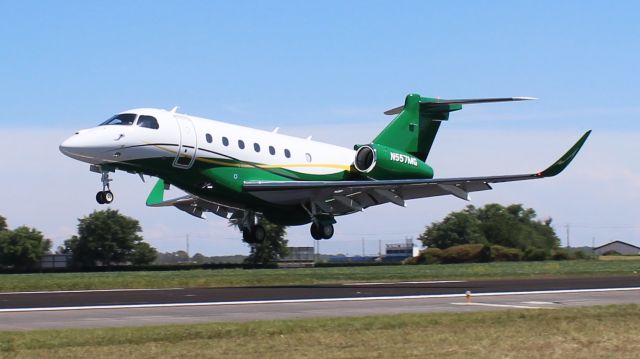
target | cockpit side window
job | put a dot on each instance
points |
(148, 122)
(125, 119)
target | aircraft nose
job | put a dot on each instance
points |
(74, 146)
(69, 146)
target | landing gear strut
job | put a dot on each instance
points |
(105, 196)
(321, 231)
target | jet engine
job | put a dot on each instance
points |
(381, 162)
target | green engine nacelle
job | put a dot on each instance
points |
(382, 162)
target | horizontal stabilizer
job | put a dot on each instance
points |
(397, 110)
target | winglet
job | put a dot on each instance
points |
(564, 161)
(157, 194)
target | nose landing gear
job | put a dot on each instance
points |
(105, 196)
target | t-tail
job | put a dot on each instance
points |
(414, 129)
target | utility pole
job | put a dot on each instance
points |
(379, 247)
(568, 235)
(188, 256)
(362, 246)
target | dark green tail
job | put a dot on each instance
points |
(414, 129)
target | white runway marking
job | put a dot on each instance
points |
(391, 283)
(536, 302)
(319, 300)
(501, 305)
(90, 291)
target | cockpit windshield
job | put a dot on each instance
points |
(125, 119)
(148, 122)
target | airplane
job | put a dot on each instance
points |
(243, 174)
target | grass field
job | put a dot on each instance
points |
(244, 277)
(590, 332)
(619, 258)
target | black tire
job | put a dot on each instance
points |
(253, 235)
(315, 232)
(246, 235)
(326, 231)
(100, 197)
(108, 197)
(258, 234)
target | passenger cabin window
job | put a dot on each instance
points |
(241, 144)
(148, 122)
(272, 150)
(209, 138)
(125, 119)
(287, 153)
(256, 147)
(225, 141)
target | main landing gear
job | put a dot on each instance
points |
(321, 223)
(321, 231)
(105, 196)
(252, 232)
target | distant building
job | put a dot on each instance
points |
(400, 251)
(298, 257)
(55, 261)
(354, 259)
(617, 246)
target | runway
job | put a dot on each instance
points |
(109, 308)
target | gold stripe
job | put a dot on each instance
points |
(274, 166)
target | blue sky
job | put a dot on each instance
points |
(266, 63)
(314, 68)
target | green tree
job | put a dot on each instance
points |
(22, 248)
(143, 254)
(456, 228)
(273, 247)
(199, 258)
(3, 224)
(513, 226)
(106, 238)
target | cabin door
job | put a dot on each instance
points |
(188, 143)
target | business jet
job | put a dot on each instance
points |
(243, 174)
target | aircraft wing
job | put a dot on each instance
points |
(342, 197)
(191, 204)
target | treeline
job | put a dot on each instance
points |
(22, 247)
(492, 233)
(105, 238)
(478, 253)
(182, 257)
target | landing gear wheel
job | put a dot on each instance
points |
(100, 197)
(104, 197)
(259, 233)
(253, 235)
(326, 230)
(108, 197)
(315, 231)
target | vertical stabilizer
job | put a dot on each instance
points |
(415, 127)
(417, 122)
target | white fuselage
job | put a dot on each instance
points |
(199, 139)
